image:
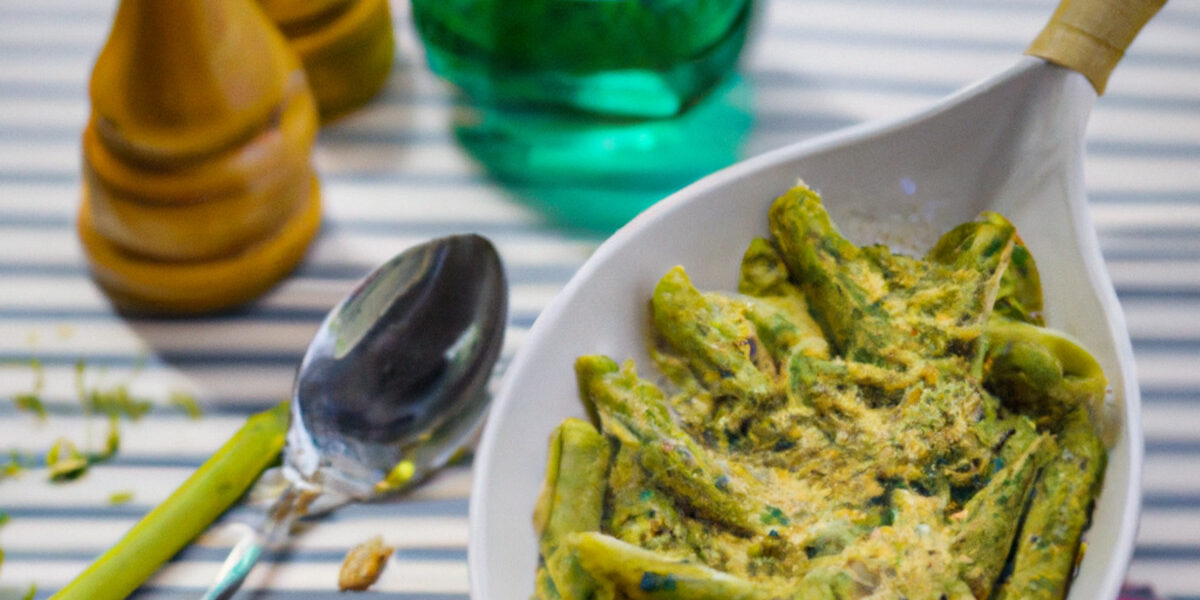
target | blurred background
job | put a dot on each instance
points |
(422, 160)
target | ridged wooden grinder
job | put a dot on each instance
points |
(196, 157)
(346, 47)
(210, 209)
(158, 287)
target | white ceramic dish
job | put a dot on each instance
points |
(1012, 143)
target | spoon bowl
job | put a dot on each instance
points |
(397, 370)
(1012, 143)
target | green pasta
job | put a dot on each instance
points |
(780, 310)
(544, 588)
(572, 500)
(1063, 496)
(715, 338)
(851, 423)
(1041, 372)
(763, 271)
(678, 463)
(1020, 295)
(986, 533)
(643, 575)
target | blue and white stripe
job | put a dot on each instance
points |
(393, 175)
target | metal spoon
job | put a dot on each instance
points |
(391, 386)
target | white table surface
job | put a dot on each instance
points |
(393, 174)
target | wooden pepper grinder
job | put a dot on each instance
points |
(198, 190)
(346, 47)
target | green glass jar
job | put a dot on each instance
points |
(617, 58)
(592, 110)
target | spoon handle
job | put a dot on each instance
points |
(245, 553)
(1090, 36)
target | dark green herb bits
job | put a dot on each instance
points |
(654, 582)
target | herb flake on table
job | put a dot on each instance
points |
(117, 401)
(120, 497)
(64, 461)
(31, 401)
(187, 403)
(13, 467)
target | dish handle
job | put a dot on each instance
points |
(1090, 36)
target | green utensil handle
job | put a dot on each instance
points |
(216, 485)
(1090, 36)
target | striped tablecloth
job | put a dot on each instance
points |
(394, 174)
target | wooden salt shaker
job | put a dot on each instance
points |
(198, 190)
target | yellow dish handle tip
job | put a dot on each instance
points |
(1090, 36)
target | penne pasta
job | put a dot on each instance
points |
(851, 423)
